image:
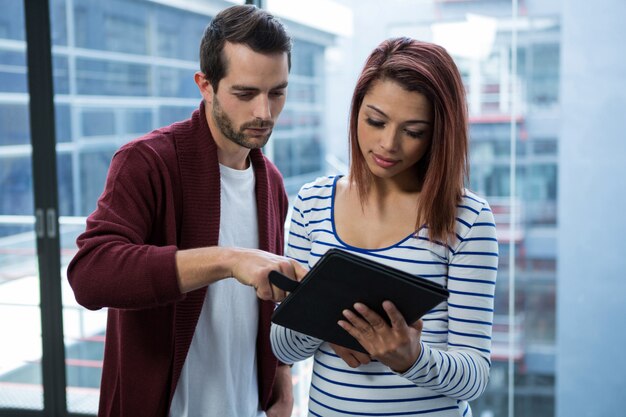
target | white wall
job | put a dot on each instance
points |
(591, 303)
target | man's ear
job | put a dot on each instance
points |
(205, 87)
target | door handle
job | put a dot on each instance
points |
(51, 223)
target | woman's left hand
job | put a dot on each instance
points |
(397, 346)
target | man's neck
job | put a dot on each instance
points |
(239, 160)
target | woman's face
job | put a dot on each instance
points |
(394, 130)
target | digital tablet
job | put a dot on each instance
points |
(340, 279)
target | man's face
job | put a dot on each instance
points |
(249, 98)
(253, 134)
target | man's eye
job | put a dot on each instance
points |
(277, 93)
(375, 123)
(244, 96)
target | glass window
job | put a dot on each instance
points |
(125, 33)
(58, 16)
(177, 33)
(64, 172)
(305, 58)
(544, 85)
(118, 26)
(98, 122)
(21, 346)
(137, 121)
(13, 71)
(63, 123)
(93, 167)
(545, 147)
(14, 124)
(112, 78)
(61, 74)
(12, 20)
(17, 185)
(175, 82)
(171, 114)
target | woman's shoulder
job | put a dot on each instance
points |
(315, 195)
(471, 200)
(473, 210)
(321, 185)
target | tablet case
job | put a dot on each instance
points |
(340, 279)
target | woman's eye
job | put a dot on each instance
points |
(414, 134)
(375, 123)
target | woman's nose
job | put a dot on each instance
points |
(388, 139)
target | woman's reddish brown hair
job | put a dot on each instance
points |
(427, 69)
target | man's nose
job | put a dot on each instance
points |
(262, 108)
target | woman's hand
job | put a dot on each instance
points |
(353, 358)
(397, 346)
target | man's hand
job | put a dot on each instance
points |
(353, 358)
(281, 403)
(252, 267)
(197, 268)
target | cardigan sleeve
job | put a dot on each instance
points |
(115, 265)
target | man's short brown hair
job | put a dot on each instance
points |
(245, 24)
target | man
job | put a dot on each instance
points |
(185, 209)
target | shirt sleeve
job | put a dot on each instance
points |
(290, 346)
(462, 371)
(298, 239)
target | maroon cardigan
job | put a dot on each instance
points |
(162, 194)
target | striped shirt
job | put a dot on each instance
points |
(453, 367)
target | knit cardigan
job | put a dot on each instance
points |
(162, 194)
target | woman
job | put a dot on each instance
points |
(402, 204)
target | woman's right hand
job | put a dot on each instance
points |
(353, 358)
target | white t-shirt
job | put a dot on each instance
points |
(219, 377)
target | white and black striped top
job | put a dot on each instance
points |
(456, 339)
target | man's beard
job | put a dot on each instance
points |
(225, 125)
